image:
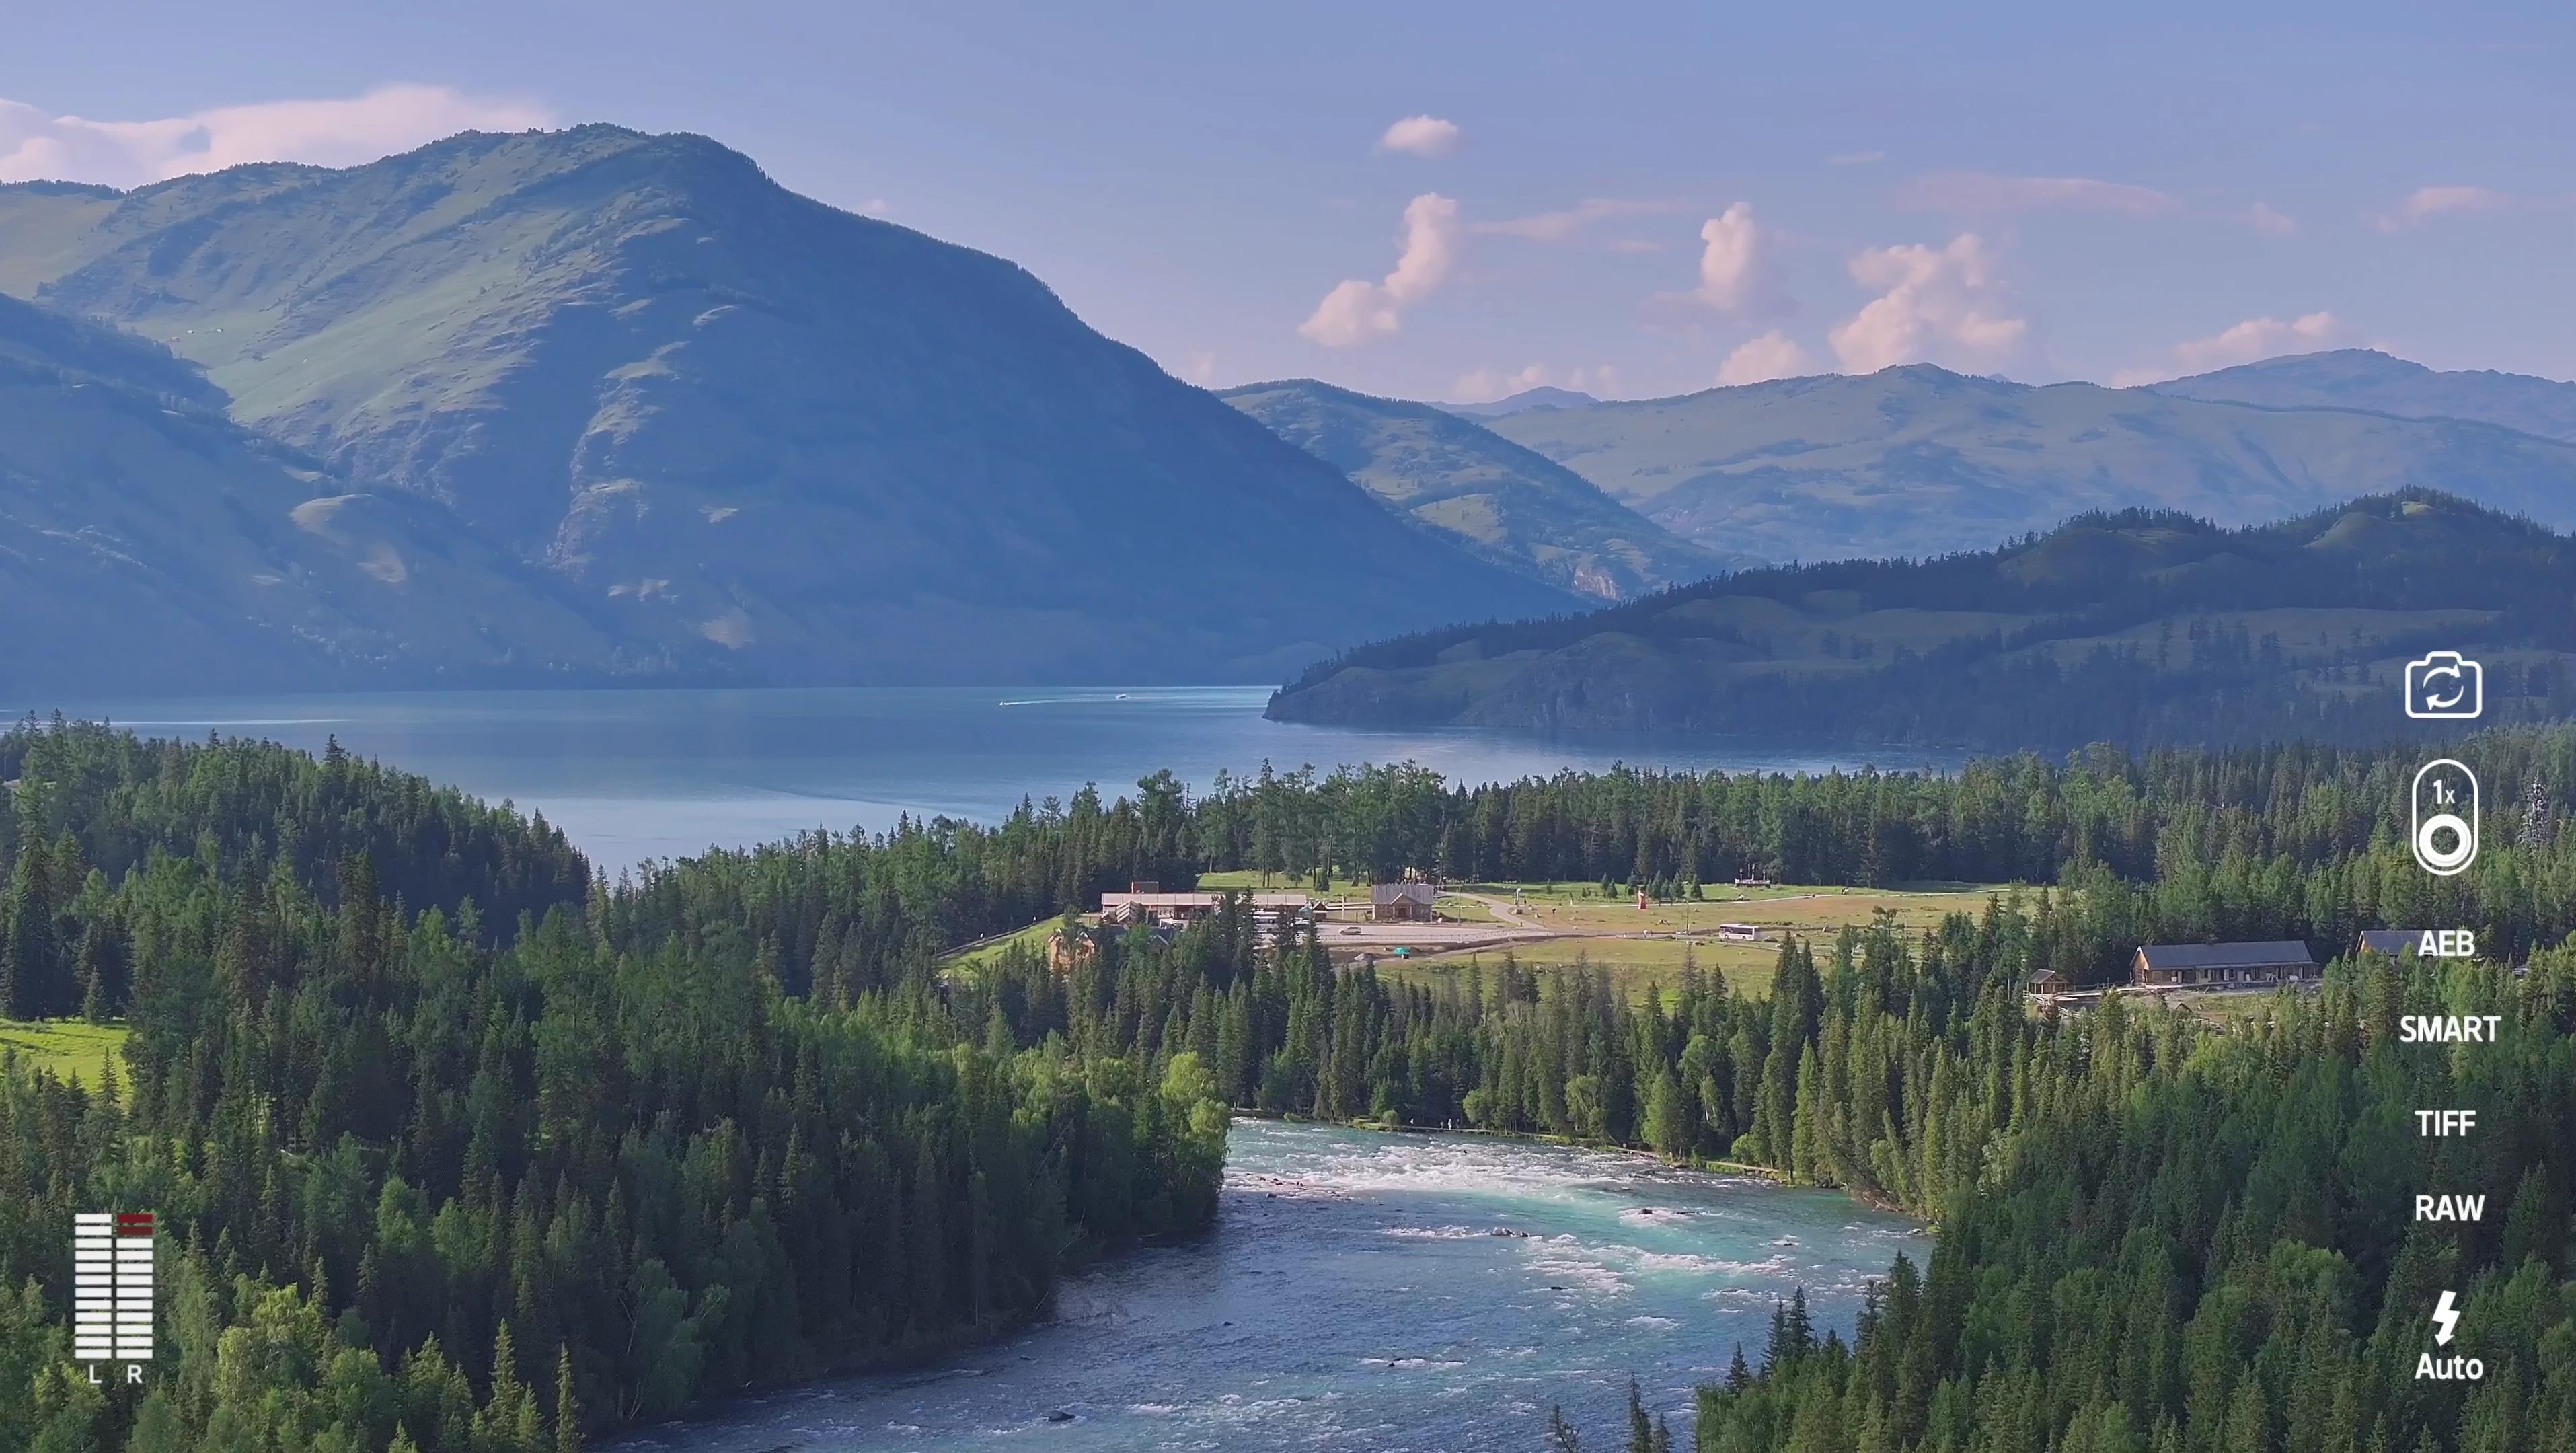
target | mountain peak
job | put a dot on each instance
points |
(1542, 397)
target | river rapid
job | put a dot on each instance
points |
(1374, 1291)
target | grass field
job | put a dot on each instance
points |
(71, 1048)
(1636, 961)
(1034, 936)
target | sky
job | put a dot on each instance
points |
(1458, 201)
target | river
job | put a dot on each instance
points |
(636, 775)
(1355, 1295)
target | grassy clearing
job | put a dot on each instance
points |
(1033, 937)
(1640, 948)
(71, 1048)
(1464, 910)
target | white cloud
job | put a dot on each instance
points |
(1484, 385)
(1356, 311)
(1737, 273)
(1564, 223)
(1943, 305)
(1773, 355)
(2263, 218)
(1422, 136)
(2426, 202)
(1987, 192)
(2254, 338)
(340, 132)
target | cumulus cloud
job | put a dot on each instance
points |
(1356, 311)
(1737, 271)
(1943, 305)
(336, 132)
(1563, 224)
(1987, 192)
(2254, 338)
(1422, 136)
(1773, 355)
(1484, 385)
(2426, 202)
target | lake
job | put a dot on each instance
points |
(636, 775)
(1356, 1295)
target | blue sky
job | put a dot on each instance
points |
(1639, 202)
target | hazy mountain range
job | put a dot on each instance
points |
(593, 406)
(2360, 378)
(1523, 509)
(742, 434)
(1542, 397)
(1916, 460)
(2137, 627)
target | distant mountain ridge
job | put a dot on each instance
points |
(1518, 507)
(742, 426)
(2136, 627)
(1916, 461)
(1542, 397)
(2361, 378)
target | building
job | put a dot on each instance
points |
(2045, 982)
(1402, 902)
(1152, 907)
(2220, 965)
(2394, 942)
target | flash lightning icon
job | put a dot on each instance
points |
(2445, 1317)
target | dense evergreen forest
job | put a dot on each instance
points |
(2141, 626)
(440, 1172)
(446, 1164)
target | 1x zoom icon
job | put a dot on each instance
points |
(2444, 817)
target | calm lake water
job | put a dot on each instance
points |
(633, 775)
(1355, 1296)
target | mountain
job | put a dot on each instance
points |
(722, 414)
(148, 541)
(1916, 460)
(1542, 397)
(2137, 627)
(1524, 509)
(2361, 378)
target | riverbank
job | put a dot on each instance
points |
(1423, 1291)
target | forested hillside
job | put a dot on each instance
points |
(2142, 626)
(452, 1156)
(433, 1174)
(2204, 1245)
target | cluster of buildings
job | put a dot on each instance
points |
(1409, 901)
(2226, 966)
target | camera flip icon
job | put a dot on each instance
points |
(2445, 817)
(2445, 686)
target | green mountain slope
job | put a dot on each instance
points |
(2139, 627)
(1518, 507)
(836, 449)
(1916, 461)
(2361, 378)
(147, 541)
